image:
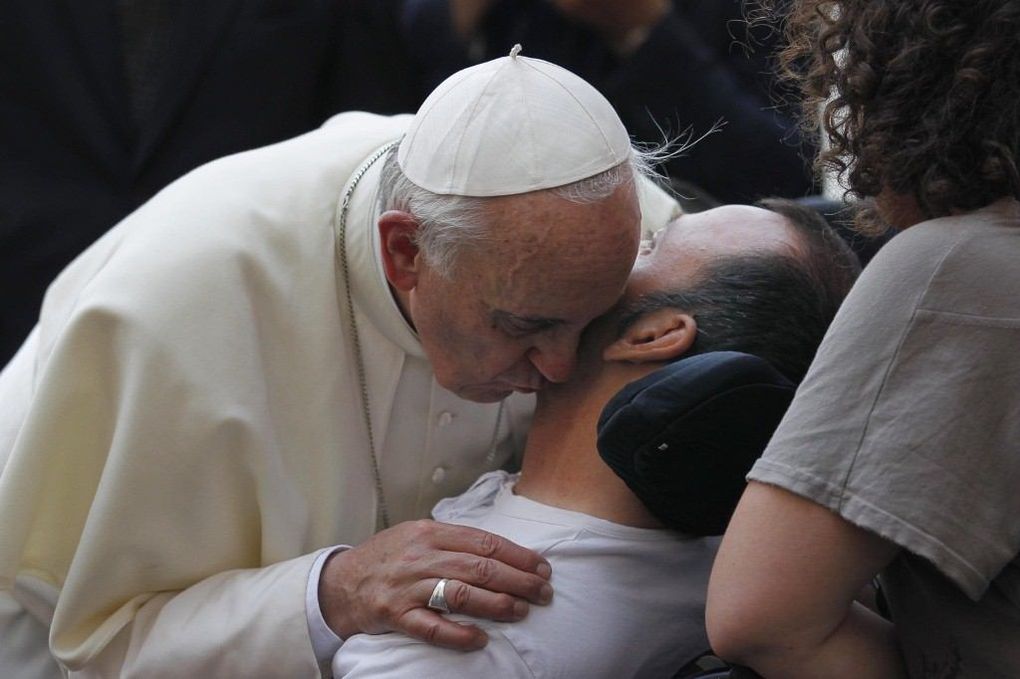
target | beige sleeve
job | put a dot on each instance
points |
(163, 524)
(15, 393)
(242, 623)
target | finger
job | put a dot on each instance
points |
(480, 603)
(482, 543)
(493, 576)
(432, 628)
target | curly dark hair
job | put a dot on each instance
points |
(925, 96)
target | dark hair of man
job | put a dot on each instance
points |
(774, 305)
(926, 95)
(826, 255)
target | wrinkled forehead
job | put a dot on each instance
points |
(578, 283)
(545, 218)
(557, 255)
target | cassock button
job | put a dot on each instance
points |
(438, 475)
(445, 418)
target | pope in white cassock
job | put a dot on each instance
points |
(290, 349)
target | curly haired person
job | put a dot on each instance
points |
(900, 456)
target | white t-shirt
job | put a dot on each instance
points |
(629, 602)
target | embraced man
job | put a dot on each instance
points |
(290, 349)
(630, 594)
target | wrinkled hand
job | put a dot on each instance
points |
(384, 583)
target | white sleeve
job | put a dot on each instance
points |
(147, 492)
(325, 642)
(240, 623)
(16, 393)
(395, 655)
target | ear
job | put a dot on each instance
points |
(656, 337)
(400, 254)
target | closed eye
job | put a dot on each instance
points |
(520, 326)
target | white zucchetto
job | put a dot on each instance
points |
(509, 126)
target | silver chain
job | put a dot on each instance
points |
(341, 249)
(359, 361)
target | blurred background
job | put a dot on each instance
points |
(104, 102)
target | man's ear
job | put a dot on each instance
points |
(655, 337)
(400, 254)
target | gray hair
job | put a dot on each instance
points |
(448, 223)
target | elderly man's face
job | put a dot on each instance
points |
(510, 316)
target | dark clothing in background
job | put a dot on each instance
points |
(692, 70)
(87, 134)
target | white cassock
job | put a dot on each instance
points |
(184, 432)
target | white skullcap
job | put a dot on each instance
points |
(509, 126)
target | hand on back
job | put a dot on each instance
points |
(384, 584)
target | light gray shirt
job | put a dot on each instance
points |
(629, 601)
(908, 425)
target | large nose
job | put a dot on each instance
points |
(555, 360)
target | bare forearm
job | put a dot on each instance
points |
(863, 646)
(781, 595)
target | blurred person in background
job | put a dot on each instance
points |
(666, 65)
(103, 103)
